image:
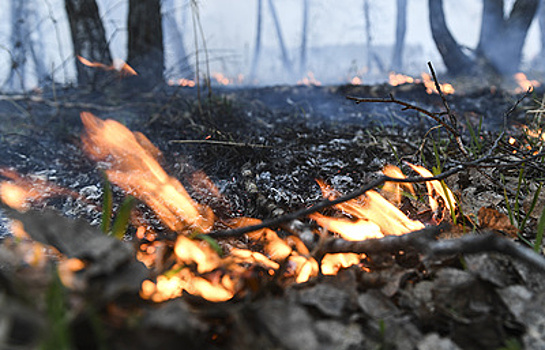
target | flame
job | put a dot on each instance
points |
(309, 80)
(396, 79)
(358, 230)
(118, 65)
(524, 83)
(222, 79)
(131, 161)
(399, 79)
(182, 82)
(392, 190)
(435, 188)
(19, 192)
(356, 81)
(332, 263)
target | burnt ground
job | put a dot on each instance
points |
(279, 140)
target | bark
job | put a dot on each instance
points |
(304, 38)
(285, 58)
(257, 47)
(145, 51)
(502, 39)
(401, 30)
(88, 38)
(456, 61)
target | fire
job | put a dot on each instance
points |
(356, 81)
(371, 211)
(182, 82)
(396, 79)
(399, 79)
(435, 188)
(196, 264)
(118, 65)
(19, 192)
(309, 80)
(132, 164)
(524, 83)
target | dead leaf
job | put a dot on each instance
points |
(492, 219)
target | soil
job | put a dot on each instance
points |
(278, 140)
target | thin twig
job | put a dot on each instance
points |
(220, 143)
(406, 105)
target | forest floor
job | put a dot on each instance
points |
(264, 149)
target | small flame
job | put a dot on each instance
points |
(374, 208)
(182, 82)
(524, 83)
(21, 191)
(435, 188)
(118, 65)
(356, 81)
(222, 79)
(399, 79)
(392, 190)
(309, 80)
(332, 263)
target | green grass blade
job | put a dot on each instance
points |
(213, 243)
(531, 209)
(539, 234)
(107, 206)
(122, 219)
(509, 210)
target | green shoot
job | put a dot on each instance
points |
(539, 233)
(211, 241)
(507, 204)
(107, 205)
(531, 209)
(58, 337)
(121, 222)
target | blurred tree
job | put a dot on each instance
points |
(257, 46)
(401, 29)
(304, 39)
(145, 51)
(88, 38)
(175, 39)
(500, 42)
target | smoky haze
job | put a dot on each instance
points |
(336, 39)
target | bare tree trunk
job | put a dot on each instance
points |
(401, 30)
(456, 61)
(19, 44)
(285, 58)
(257, 47)
(502, 39)
(368, 36)
(145, 51)
(88, 38)
(539, 60)
(304, 38)
(37, 48)
(174, 36)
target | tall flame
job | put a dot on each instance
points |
(132, 165)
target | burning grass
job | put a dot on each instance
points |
(362, 240)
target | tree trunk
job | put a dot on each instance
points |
(502, 39)
(174, 36)
(401, 30)
(304, 38)
(257, 47)
(285, 58)
(456, 61)
(88, 38)
(19, 44)
(539, 60)
(145, 51)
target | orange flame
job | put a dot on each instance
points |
(132, 164)
(309, 80)
(524, 83)
(399, 79)
(21, 191)
(118, 65)
(392, 190)
(435, 188)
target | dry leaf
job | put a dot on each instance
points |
(494, 220)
